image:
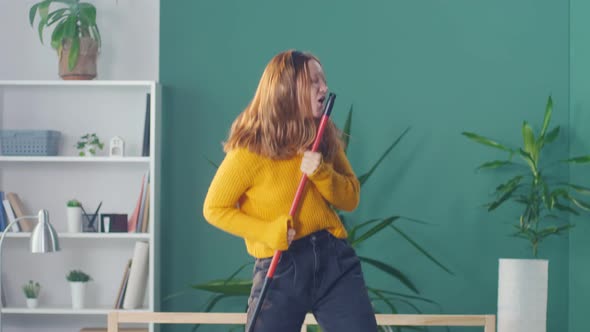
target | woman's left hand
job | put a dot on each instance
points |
(310, 162)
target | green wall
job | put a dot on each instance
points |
(579, 291)
(441, 67)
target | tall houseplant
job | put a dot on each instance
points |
(545, 199)
(385, 300)
(533, 187)
(75, 35)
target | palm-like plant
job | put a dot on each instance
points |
(359, 233)
(73, 21)
(539, 193)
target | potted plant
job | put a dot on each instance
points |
(78, 280)
(75, 35)
(31, 290)
(74, 213)
(544, 198)
(89, 144)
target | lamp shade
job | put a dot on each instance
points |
(44, 238)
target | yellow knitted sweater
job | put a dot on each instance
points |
(250, 197)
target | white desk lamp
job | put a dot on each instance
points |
(44, 239)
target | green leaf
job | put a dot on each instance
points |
(422, 250)
(43, 12)
(223, 286)
(58, 34)
(377, 293)
(510, 184)
(393, 272)
(494, 205)
(566, 208)
(554, 230)
(56, 16)
(238, 270)
(485, 141)
(87, 14)
(355, 228)
(581, 204)
(529, 141)
(579, 189)
(74, 53)
(374, 230)
(547, 117)
(363, 178)
(494, 164)
(96, 35)
(553, 134)
(347, 128)
(579, 160)
(33, 13)
(529, 159)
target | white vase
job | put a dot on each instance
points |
(78, 294)
(74, 219)
(32, 303)
(522, 295)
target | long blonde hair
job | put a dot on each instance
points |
(278, 123)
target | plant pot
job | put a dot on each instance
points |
(85, 68)
(74, 219)
(78, 294)
(522, 295)
(32, 303)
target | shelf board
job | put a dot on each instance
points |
(64, 311)
(60, 83)
(120, 236)
(73, 159)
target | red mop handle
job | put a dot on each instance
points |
(303, 181)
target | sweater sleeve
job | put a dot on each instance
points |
(337, 182)
(234, 176)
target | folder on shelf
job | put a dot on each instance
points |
(138, 276)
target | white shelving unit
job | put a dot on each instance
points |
(107, 108)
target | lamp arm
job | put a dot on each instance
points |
(1, 242)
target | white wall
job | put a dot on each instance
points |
(130, 41)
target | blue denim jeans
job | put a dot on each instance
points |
(319, 274)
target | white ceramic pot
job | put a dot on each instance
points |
(32, 303)
(74, 219)
(522, 295)
(78, 294)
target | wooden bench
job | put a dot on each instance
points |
(117, 317)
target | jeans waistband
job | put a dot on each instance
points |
(322, 237)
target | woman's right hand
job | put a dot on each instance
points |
(290, 235)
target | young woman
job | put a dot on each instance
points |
(253, 189)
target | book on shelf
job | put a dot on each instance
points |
(26, 225)
(123, 286)
(138, 277)
(145, 149)
(3, 217)
(134, 224)
(10, 216)
(142, 227)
